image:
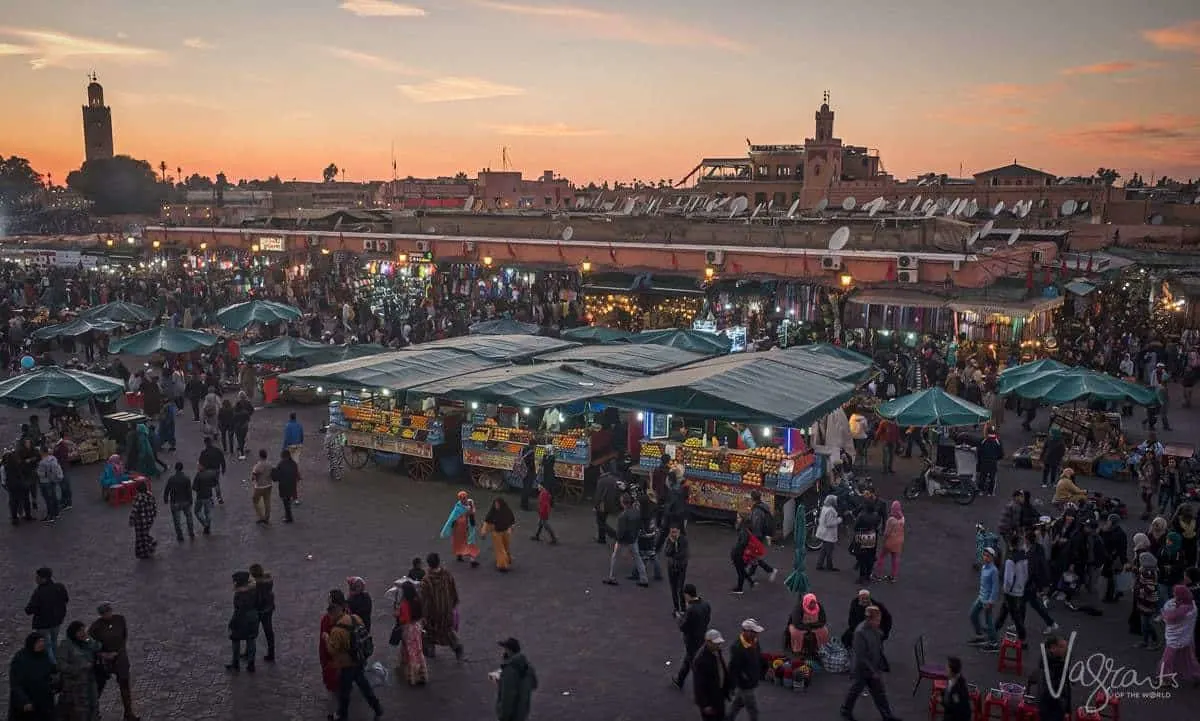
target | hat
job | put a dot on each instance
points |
(810, 604)
(990, 551)
(104, 608)
(462, 495)
(712, 635)
(690, 590)
(511, 645)
(751, 625)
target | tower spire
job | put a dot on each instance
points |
(825, 97)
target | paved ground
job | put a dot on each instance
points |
(602, 653)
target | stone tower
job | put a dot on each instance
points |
(97, 124)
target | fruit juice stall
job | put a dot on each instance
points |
(765, 397)
(373, 426)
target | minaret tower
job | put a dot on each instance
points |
(97, 124)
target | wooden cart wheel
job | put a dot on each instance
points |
(356, 457)
(418, 469)
(479, 477)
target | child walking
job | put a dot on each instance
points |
(893, 543)
(545, 504)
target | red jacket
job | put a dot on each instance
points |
(545, 503)
(754, 550)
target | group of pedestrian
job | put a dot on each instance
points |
(36, 470)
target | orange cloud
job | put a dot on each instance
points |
(615, 26)
(993, 92)
(371, 62)
(553, 130)
(1112, 67)
(381, 9)
(1171, 129)
(1184, 37)
(454, 89)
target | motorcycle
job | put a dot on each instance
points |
(848, 486)
(943, 482)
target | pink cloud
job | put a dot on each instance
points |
(1184, 37)
(1112, 67)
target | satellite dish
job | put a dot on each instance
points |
(628, 208)
(954, 206)
(757, 209)
(931, 210)
(738, 206)
(998, 208)
(973, 208)
(711, 205)
(1196, 201)
(1041, 203)
(972, 238)
(1156, 219)
(1083, 206)
(1069, 207)
(721, 202)
(1013, 236)
(840, 237)
(793, 208)
(987, 228)
(927, 205)
(849, 203)
(874, 209)
(916, 203)
(568, 233)
(879, 203)
(770, 205)
(822, 204)
(1024, 209)
(900, 207)
(469, 203)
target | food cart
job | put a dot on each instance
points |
(491, 452)
(578, 454)
(1093, 439)
(371, 426)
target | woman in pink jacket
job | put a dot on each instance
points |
(893, 543)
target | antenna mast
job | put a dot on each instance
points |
(505, 164)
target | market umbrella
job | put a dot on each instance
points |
(121, 312)
(690, 340)
(596, 334)
(55, 386)
(1010, 377)
(1072, 384)
(76, 327)
(797, 580)
(933, 407)
(283, 348)
(162, 338)
(503, 326)
(241, 315)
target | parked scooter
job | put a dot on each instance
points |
(935, 481)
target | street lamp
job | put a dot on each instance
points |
(254, 248)
(846, 279)
(156, 244)
(204, 246)
(709, 272)
(586, 266)
(487, 261)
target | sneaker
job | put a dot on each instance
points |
(675, 682)
(609, 582)
(737, 592)
(65, 508)
(644, 584)
(978, 640)
(1050, 629)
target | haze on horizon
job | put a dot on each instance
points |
(598, 91)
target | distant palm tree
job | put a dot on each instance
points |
(162, 168)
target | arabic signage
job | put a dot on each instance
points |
(724, 496)
(271, 244)
(489, 459)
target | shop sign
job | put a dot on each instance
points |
(725, 496)
(573, 471)
(271, 244)
(489, 459)
(415, 448)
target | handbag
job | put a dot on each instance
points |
(397, 636)
(1123, 582)
(834, 657)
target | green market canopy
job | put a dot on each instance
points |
(933, 407)
(76, 327)
(747, 388)
(502, 326)
(648, 359)
(162, 339)
(347, 351)
(852, 368)
(830, 350)
(287, 347)
(396, 372)
(696, 341)
(536, 386)
(1010, 377)
(497, 348)
(241, 315)
(55, 386)
(121, 312)
(1072, 384)
(600, 334)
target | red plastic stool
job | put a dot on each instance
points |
(976, 702)
(936, 694)
(120, 494)
(995, 706)
(1087, 714)
(1027, 710)
(1108, 707)
(1012, 656)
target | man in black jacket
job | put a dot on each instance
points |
(48, 606)
(675, 548)
(1053, 686)
(745, 670)
(1053, 453)
(195, 391)
(608, 495)
(629, 524)
(1116, 553)
(693, 625)
(710, 682)
(867, 672)
(211, 458)
(177, 494)
(987, 461)
(204, 485)
(762, 525)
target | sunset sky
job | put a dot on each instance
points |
(603, 90)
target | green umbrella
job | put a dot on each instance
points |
(1017, 374)
(162, 339)
(282, 348)
(121, 312)
(835, 351)
(797, 580)
(76, 327)
(55, 386)
(1072, 384)
(933, 407)
(596, 334)
(241, 315)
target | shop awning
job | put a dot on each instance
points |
(537, 386)
(643, 283)
(397, 372)
(647, 359)
(899, 298)
(498, 348)
(811, 359)
(1012, 308)
(750, 388)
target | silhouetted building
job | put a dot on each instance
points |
(97, 124)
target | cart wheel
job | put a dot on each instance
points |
(418, 469)
(479, 477)
(356, 457)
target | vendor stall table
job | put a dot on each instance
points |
(414, 436)
(492, 452)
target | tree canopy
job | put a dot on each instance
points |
(19, 182)
(330, 173)
(119, 185)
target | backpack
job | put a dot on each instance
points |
(362, 646)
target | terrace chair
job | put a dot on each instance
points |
(926, 671)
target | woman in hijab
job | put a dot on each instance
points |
(333, 611)
(1141, 544)
(412, 649)
(359, 601)
(460, 528)
(1157, 534)
(893, 543)
(141, 519)
(807, 630)
(1184, 524)
(148, 462)
(114, 474)
(80, 698)
(31, 690)
(1179, 649)
(335, 439)
(827, 532)
(1170, 565)
(1145, 598)
(499, 521)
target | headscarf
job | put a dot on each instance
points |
(1140, 542)
(896, 512)
(1174, 546)
(1183, 596)
(356, 584)
(1147, 561)
(811, 605)
(118, 466)
(831, 501)
(1158, 527)
(462, 495)
(31, 641)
